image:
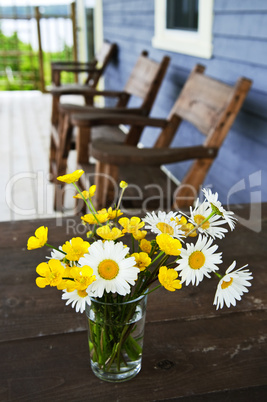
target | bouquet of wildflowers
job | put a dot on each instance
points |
(163, 250)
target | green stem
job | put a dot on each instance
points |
(90, 206)
(152, 290)
(119, 202)
(132, 243)
(156, 258)
(200, 224)
(55, 248)
(219, 275)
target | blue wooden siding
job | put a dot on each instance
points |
(239, 49)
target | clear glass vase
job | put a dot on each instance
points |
(115, 337)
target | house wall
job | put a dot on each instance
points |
(239, 174)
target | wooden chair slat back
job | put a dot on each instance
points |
(210, 105)
(202, 101)
(144, 82)
(104, 54)
(145, 79)
(102, 58)
(217, 134)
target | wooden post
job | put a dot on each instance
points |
(40, 50)
(74, 34)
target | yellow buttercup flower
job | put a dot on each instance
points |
(185, 226)
(89, 234)
(109, 234)
(112, 213)
(145, 246)
(123, 184)
(51, 273)
(83, 277)
(140, 234)
(71, 177)
(92, 219)
(142, 260)
(132, 225)
(75, 249)
(87, 194)
(168, 279)
(168, 244)
(39, 239)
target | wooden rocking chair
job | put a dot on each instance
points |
(144, 83)
(94, 70)
(209, 105)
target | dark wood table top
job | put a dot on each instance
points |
(192, 352)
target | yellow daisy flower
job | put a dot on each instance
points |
(132, 225)
(50, 272)
(92, 219)
(185, 226)
(145, 246)
(142, 260)
(87, 194)
(168, 279)
(39, 239)
(112, 214)
(140, 234)
(109, 234)
(75, 249)
(83, 277)
(168, 244)
(71, 177)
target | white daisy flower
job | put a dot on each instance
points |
(163, 223)
(114, 273)
(198, 260)
(212, 226)
(218, 208)
(56, 254)
(77, 297)
(232, 286)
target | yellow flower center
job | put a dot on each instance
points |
(165, 228)
(201, 218)
(225, 284)
(108, 269)
(196, 260)
(82, 293)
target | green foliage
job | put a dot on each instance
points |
(19, 64)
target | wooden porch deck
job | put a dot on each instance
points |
(26, 192)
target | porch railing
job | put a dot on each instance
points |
(26, 65)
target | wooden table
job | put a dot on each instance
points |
(192, 352)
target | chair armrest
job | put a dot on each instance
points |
(74, 66)
(86, 90)
(117, 154)
(90, 120)
(71, 108)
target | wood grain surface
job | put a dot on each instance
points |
(192, 352)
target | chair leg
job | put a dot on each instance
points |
(61, 158)
(106, 177)
(64, 146)
(55, 112)
(59, 197)
(82, 144)
(187, 192)
(54, 146)
(52, 158)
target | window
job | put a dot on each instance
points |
(184, 26)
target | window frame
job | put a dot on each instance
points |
(192, 43)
